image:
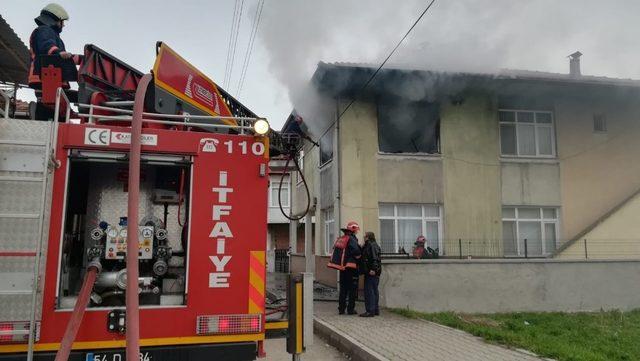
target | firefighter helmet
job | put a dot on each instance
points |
(353, 226)
(56, 11)
(421, 239)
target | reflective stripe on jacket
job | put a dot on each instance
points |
(44, 40)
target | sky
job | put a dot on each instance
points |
(294, 35)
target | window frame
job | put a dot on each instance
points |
(331, 134)
(301, 165)
(543, 222)
(273, 185)
(423, 218)
(536, 127)
(600, 119)
(436, 154)
(328, 223)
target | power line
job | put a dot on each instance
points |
(443, 156)
(231, 30)
(235, 43)
(385, 60)
(247, 55)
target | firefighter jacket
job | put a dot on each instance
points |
(371, 260)
(44, 40)
(346, 252)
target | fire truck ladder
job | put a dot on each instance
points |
(25, 147)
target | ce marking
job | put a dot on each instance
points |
(97, 136)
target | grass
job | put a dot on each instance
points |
(562, 336)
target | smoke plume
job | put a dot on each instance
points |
(461, 35)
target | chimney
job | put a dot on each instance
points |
(574, 64)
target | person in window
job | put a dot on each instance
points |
(344, 258)
(371, 268)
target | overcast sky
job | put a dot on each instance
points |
(293, 35)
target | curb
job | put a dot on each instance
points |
(346, 344)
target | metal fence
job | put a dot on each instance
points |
(586, 248)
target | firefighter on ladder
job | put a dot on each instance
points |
(345, 256)
(45, 40)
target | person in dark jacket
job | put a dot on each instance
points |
(372, 268)
(45, 40)
(349, 272)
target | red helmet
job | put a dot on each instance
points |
(421, 239)
(353, 226)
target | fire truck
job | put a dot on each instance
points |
(164, 170)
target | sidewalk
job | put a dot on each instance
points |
(393, 337)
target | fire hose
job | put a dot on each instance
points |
(78, 311)
(131, 296)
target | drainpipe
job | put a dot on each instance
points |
(132, 298)
(338, 163)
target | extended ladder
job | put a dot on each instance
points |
(25, 153)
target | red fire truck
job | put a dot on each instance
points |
(199, 225)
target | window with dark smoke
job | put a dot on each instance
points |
(408, 127)
(326, 147)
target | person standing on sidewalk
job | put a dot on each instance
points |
(372, 268)
(344, 258)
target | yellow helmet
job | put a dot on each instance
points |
(56, 10)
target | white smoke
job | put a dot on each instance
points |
(461, 35)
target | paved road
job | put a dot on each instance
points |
(320, 351)
(393, 337)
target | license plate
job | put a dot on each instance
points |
(114, 356)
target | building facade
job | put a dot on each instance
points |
(504, 165)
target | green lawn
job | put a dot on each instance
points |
(561, 336)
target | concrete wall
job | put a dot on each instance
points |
(598, 170)
(614, 237)
(492, 286)
(410, 179)
(471, 173)
(359, 184)
(528, 183)
(297, 263)
(325, 275)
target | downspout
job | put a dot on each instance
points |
(338, 167)
(338, 155)
(133, 201)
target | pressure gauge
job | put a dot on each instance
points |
(112, 233)
(147, 233)
(123, 234)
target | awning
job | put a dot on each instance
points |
(14, 56)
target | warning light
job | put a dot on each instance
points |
(261, 126)
(228, 324)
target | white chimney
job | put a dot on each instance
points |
(574, 64)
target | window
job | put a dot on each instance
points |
(526, 133)
(329, 231)
(301, 165)
(408, 127)
(539, 226)
(273, 191)
(599, 123)
(326, 147)
(401, 224)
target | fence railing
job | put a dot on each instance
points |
(586, 248)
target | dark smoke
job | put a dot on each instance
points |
(462, 35)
